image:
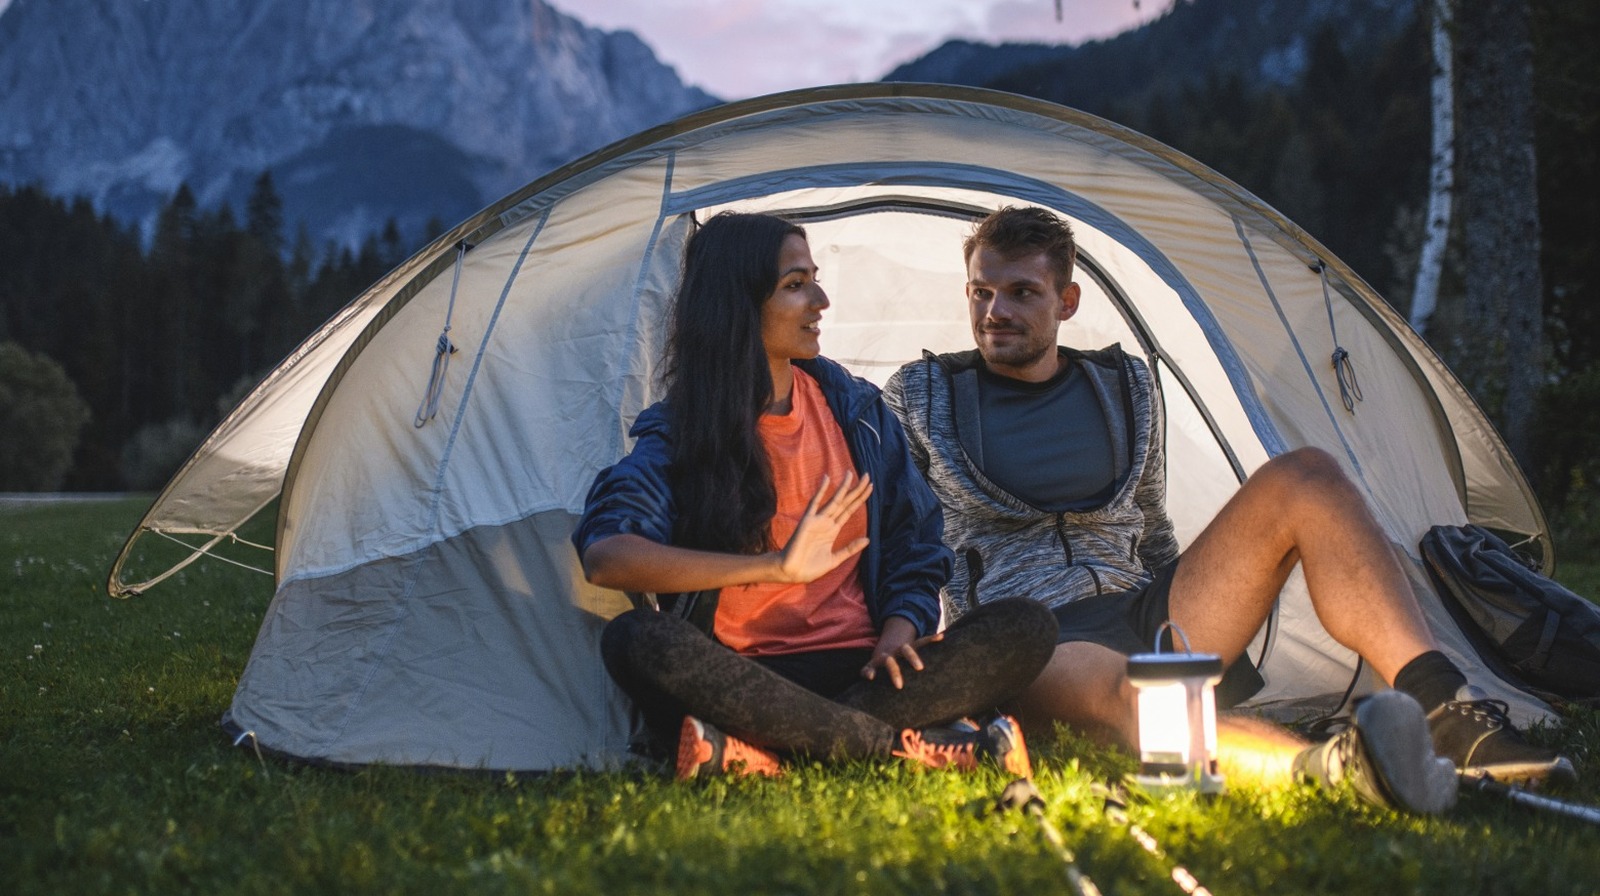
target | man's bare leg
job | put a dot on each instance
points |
(1384, 755)
(1086, 686)
(1257, 750)
(1299, 508)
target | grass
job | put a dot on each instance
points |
(114, 778)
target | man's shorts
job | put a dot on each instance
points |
(1127, 621)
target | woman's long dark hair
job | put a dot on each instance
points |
(718, 384)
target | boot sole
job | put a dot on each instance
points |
(1399, 750)
(1016, 760)
(1558, 769)
(690, 737)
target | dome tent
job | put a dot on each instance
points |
(429, 607)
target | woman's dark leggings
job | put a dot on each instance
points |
(672, 669)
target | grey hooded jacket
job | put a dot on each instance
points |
(1007, 548)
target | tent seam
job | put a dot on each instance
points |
(1299, 351)
(404, 604)
(638, 288)
(477, 364)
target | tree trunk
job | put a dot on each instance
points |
(1441, 180)
(1500, 207)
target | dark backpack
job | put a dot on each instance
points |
(1528, 629)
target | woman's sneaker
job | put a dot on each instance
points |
(963, 747)
(703, 751)
(1386, 756)
(1476, 734)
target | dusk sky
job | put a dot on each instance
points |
(741, 48)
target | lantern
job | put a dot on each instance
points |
(1175, 699)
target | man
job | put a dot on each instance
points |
(1049, 463)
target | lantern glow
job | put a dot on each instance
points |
(1175, 703)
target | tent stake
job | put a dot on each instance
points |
(1116, 809)
(1022, 796)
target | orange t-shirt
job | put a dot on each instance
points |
(831, 612)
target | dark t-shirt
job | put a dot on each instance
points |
(1046, 443)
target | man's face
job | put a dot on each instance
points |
(1017, 309)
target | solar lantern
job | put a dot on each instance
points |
(1176, 706)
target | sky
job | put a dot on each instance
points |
(741, 48)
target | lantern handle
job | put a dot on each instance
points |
(1169, 625)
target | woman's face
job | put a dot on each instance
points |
(792, 315)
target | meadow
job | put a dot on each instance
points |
(115, 778)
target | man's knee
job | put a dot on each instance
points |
(1305, 473)
(1308, 463)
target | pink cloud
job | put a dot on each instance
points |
(1081, 20)
(740, 48)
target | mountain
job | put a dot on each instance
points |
(362, 109)
(1263, 42)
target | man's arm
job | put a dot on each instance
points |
(894, 396)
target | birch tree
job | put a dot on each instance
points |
(1441, 177)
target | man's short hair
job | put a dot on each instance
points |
(1018, 232)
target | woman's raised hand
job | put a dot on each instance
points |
(809, 555)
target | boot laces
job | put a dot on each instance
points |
(739, 757)
(1346, 751)
(1494, 712)
(915, 747)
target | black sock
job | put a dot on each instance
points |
(1431, 678)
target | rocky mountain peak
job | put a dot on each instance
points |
(363, 109)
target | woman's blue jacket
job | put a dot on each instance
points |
(905, 562)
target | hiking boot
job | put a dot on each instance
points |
(1476, 734)
(1386, 756)
(962, 748)
(703, 751)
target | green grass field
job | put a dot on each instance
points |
(114, 778)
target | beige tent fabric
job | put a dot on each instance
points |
(428, 611)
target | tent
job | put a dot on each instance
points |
(429, 609)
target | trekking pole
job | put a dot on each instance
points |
(1024, 797)
(1116, 809)
(1486, 784)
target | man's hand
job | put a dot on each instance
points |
(898, 644)
(809, 555)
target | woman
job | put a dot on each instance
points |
(771, 502)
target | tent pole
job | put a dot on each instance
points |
(1486, 784)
